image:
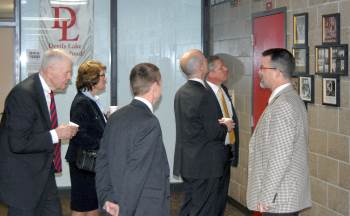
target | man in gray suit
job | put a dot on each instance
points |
(278, 174)
(132, 170)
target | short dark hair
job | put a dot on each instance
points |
(142, 76)
(282, 59)
(89, 74)
(211, 60)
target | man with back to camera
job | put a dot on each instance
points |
(278, 173)
(200, 133)
(132, 170)
(30, 146)
(218, 74)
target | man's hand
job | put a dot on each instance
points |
(66, 131)
(262, 207)
(228, 122)
(111, 208)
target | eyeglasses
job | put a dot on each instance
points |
(265, 68)
(102, 75)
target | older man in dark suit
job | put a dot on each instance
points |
(30, 147)
(200, 133)
(218, 73)
(132, 170)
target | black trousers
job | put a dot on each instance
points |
(224, 182)
(49, 203)
(201, 196)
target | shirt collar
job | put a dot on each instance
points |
(145, 101)
(46, 88)
(197, 80)
(213, 86)
(278, 90)
(89, 95)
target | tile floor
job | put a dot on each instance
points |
(176, 199)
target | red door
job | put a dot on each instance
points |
(269, 31)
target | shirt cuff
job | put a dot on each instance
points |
(54, 136)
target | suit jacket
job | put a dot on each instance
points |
(278, 173)
(26, 148)
(199, 146)
(86, 113)
(235, 146)
(132, 167)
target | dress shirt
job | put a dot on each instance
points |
(96, 99)
(216, 90)
(277, 90)
(47, 92)
(145, 101)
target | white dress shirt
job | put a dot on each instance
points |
(47, 92)
(216, 89)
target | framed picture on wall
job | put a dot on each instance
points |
(300, 29)
(322, 61)
(331, 59)
(330, 91)
(306, 88)
(331, 28)
(339, 59)
(301, 56)
(295, 83)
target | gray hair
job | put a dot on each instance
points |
(53, 55)
(281, 59)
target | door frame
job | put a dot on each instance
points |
(254, 16)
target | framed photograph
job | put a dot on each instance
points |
(300, 29)
(330, 91)
(306, 88)
(339, 59)
(295, 83)
(301, 56)
(331, 28)
(322, 60)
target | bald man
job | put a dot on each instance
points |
(200, 133)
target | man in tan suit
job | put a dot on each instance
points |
(278, 174)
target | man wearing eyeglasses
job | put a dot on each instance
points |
(278, 174)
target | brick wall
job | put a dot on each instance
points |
(329, 127)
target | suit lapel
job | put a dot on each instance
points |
(96, 110)
(212, 93)
(39, 92)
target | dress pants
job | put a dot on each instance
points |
(201, 197)
(225, 182)
(49, 203)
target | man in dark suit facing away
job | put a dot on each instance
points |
(132, 170)
(218, 73)
(200, 133)
(29, 140)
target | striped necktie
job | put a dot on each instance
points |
(232, 137)
(57, 146)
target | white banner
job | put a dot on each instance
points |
(68, 25)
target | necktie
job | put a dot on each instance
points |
(57, 146)
(232, 137)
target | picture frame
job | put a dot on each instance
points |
(322, 60)
(300, 30)
(306, 88)
(331, 91)
(331, 28)
(331, 59)
(339, 59)
(301, 56)
(295, 83)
